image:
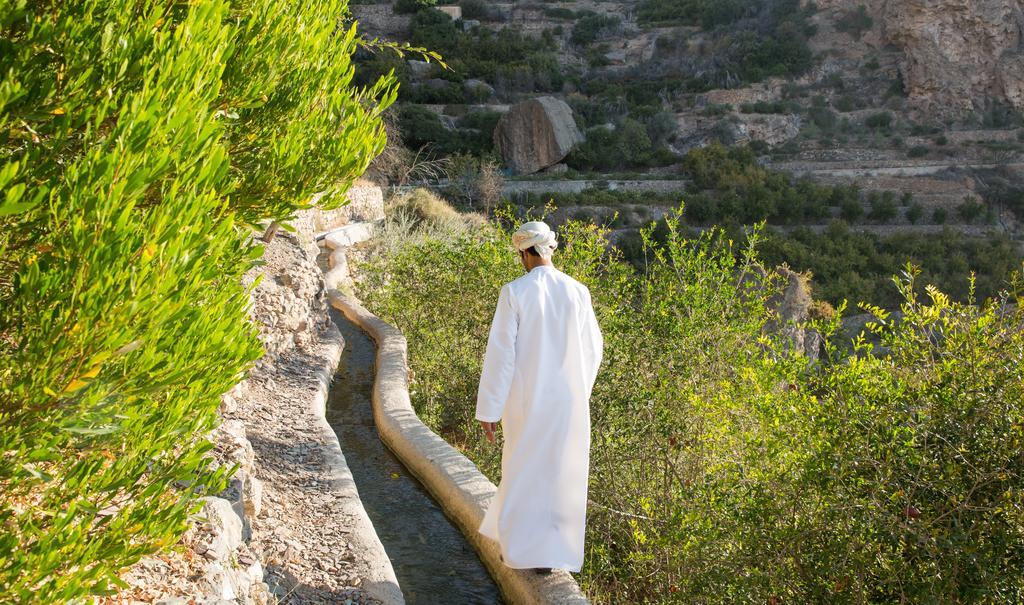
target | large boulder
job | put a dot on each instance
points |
(535, 134)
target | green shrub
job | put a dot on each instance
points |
(474, 9)
(412, 6)
(855, 22)
(918, 151)
(627, 146)
(846, 103)
(485, 121)
(882, 207)
(507, 59)
(706, 13)
(851, 210)
(138, 140)
(879, 121)
(970, 210)
(1007, 196)
(752, 39)
(589, 26)
(716, 109)
(824, 118)
(914, 213)
(421, 127)
(560, 12)
(848, 265)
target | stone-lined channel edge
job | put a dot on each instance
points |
(457, 485)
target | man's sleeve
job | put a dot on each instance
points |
(499, 360)
(593, 341)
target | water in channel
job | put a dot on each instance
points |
(432, 559)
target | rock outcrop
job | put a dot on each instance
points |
(958, 53)
(535, 134)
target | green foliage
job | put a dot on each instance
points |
(412, 6)
(756, 57)
(970, 210)
(914, 213)
(918, 151)
(724, 470)
(997, 114)
(507, 59)
(846, 103)
(851, 210)
(138, 141)
(882, 206)
(706, 13)
(824, 118)
(421, 128)
(1007, 196)
(560, 12)
(855, 22)
(628, 145)
(713, 110)
(879, 121)
(751, 40)
(590, 26)
(849, 265)
(474, 9)
(740, 189)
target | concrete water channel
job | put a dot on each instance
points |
(432, 559)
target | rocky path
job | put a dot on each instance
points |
(307, 530)
(304, 539)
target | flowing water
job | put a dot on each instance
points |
(432, 559)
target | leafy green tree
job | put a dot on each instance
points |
(970, 210)
(882, 207)
(140, 142)
(915, 212)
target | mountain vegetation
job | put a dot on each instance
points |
(141, 142)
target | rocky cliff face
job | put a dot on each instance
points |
(957, 54)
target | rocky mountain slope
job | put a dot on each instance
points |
(914, 105)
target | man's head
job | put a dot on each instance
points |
(535, 242)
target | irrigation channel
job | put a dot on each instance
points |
(432, 559)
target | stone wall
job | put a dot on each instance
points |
(290, 524)
(380, 20)
(365, 205)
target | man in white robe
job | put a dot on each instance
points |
(542, 357)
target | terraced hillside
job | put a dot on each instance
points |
(840, 106)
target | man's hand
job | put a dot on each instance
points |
(489, 428)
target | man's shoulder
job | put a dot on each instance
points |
(530, 281)
(573, 282)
